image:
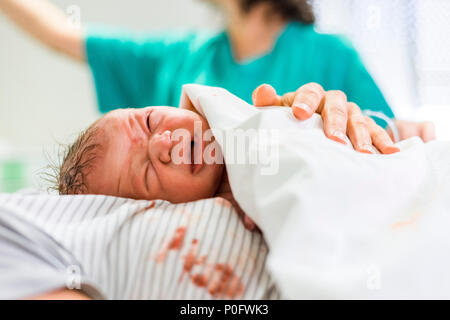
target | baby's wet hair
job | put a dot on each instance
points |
(78, 159)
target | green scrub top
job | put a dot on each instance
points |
(132, 71)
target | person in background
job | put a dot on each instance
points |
(264, 41)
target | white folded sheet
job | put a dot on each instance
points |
(339, 224)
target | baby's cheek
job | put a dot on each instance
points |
(201, 187)
(214, 179)
(186, 189)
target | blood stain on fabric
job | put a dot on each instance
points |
(220, 282)
(199, 280)
(161, 256)
(406, 223)
(219, 279)
(178, 238)
(191, 260)
(175, 243)
(150, 206)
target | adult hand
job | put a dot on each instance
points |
(407, 129)
(340, 117)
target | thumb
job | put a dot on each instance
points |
(265, 95)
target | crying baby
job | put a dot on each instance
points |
(149, 153)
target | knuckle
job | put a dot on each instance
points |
(338, 111)
(310, 94)
(353, 107)
(316, 88)
(338, 94)
(312, 86)
(310, 101)
(362, 133)
(369, 121)
(359, 123)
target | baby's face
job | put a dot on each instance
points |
(136, 159)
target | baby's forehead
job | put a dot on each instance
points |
(113, 127)
(110, 136)
(116, 115)
(113, 120)
(103, 129)
(118, 118)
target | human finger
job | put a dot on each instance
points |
(428, 131)
(335, 115)
(380, 137)
(358, 131)
(307, 100)
(266, 95)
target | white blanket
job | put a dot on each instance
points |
(339, 224)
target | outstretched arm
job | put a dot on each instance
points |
(48, 24)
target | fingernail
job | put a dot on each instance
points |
(341, 136)
(303, 107)
(369, 149)
(390, 149)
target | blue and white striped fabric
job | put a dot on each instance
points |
(153, 250)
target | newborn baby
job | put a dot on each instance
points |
(127, 153)
(149, 153)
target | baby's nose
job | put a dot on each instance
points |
(161, 145)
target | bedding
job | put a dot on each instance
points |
(32, 262)
(128, 249)
(339, 224)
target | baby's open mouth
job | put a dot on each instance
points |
(196, 154)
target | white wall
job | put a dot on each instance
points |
(46, 97)
(405, 44)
